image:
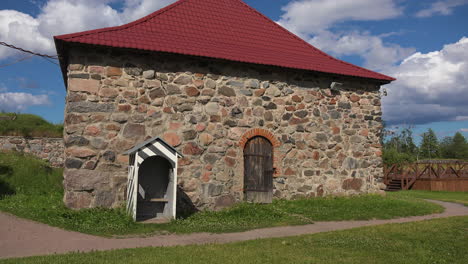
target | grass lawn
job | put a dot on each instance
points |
(434, 241)
(455, 197)
(33, 190)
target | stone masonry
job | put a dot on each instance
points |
(50, 149)
(326, 142)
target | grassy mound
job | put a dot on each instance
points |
(31, 189)
(28, 125)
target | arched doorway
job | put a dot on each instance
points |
(153, 181)
(258, 170)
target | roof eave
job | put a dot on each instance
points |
(148, 141)
(62, 53)
(62, 50)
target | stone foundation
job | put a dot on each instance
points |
(50, 149)
(326, 142)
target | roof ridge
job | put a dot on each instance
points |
(124, 26)
(307, 43)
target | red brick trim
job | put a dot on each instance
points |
(259, 132)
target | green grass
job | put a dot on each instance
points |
(29, 188)
(35, 192)
(28, 125)
(455, 197)
(304, 211)
(28, 175)
(433, 241)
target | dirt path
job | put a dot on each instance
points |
(21, 238)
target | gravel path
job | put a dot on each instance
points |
(22, 238)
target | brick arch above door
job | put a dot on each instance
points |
(259, 132)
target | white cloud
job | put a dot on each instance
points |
(441, 8)
(310, 16)
(377, 55)
(317, 22)
(135, 9)
(430, 86)
(67, 16)
(17, 102)
(464, 129)
(21, 29)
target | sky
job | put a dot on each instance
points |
(424, 44)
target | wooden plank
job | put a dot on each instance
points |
(451, 185)
(160, 200)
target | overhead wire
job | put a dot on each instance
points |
(51, 61)
(48, 58)
(17, 61)
(54, 57)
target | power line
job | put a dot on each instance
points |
(51, 61)
(17, 61)
(28, 51)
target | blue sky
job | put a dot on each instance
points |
(422, 43)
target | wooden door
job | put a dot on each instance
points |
(258, 170)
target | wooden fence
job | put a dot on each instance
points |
(428, 175)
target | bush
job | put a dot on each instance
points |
(392, 156)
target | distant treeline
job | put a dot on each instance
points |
(28, 125)
(400, 147)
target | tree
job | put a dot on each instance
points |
(403, 141)
(400, 147)
(459, 146)
(407, 143)
(429, 148)
(445, 146)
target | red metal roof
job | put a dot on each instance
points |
(223, 29)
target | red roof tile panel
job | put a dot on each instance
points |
(223, 29)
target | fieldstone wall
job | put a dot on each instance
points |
(50, 149)
(327, 141)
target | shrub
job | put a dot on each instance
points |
(392, 156)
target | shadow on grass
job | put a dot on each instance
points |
(5, 187)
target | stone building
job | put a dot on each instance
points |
(255, 111)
